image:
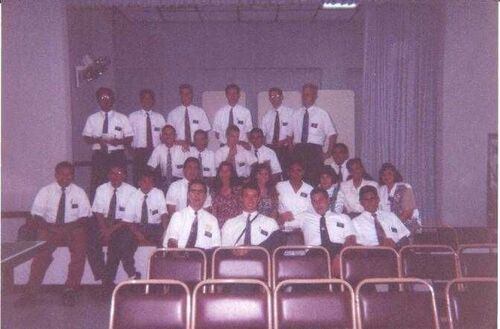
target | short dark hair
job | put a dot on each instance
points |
(64, 164)
(202, 132)
(193, 160)
(145, 92)
(250, 186)
(104, 90)
(389, 166)
(118, 166)
(367, 189)
(352, 161)
(148, 173)
(232, 128)
(186, 86)
(342, 146)
(232, 86)
(167, 126)
(296, 162)
(319, 190)
(276, 89)
(328, 170)
(310, 86)
(256, 131)
(198, 181)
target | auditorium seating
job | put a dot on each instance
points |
(478, 260)
(443, 235)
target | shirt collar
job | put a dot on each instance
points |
(110, 112)
(252, 214)
(143, 111)
(191, 210)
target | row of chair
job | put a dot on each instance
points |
(405, 303)
(455, 236)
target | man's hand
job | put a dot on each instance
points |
(285, 217)
(246, 145)
(140, 238)
(185, 146)
(326, 155)
(115, 141)
(389, 243)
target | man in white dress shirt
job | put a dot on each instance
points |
(277, 126)
(251, 228)
(193, 226)
(312, 128)
(109, 132)
(340, 155)
(59, 213)
(146, 125)
(187, 118)
(264, 153)
(235, 153)
(233, 114)
(205, 156)
(378, 227)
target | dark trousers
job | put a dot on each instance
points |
(122, 247)
(101, 162)
(311, 155)
(95, 255)
(283, 154)
(140, 161)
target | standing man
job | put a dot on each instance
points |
(235, 153)
(312, 126)
(340, 154)
(277, 125)
(146, 126)
(205, 157)
(108, 132)
(264, 153)
(233, 114)
(187, 118)
(60, 212)
(193, 226)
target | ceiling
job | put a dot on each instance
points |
(236, 13)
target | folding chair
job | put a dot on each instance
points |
(132, 307)
(223, 308)
(314, 308)
(401, 308)
(478, 260)
(358, 263)
(243, 262)
(186, 265)
(472, 303)
(300, 262)
(444, 235)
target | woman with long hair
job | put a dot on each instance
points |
(226, 193)
(261, 176)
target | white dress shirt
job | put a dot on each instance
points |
(103, 195)
(291, 201)
(197, 120)
(321, 125)
(118, 127)
(243, 159)
(155, 202)
(366, 233)
(241, 116)
(345, 171)
(286, 123)
(160, 155)
(179, 228)
(138, 121)
(177, 195)
(265, 154)
(262, 227)
(350, 195)
(46, 203)
(339, 227)
(207, 160)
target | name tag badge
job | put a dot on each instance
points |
(341, 225)
(120, 208)
(179, 166)
(240, 122)
(314, 125)
(206, 169)
(118, 128)
(394, 230)
(303, 194)
(284, 124)
(241, 164)
(74, 206)
(208, 234)
(154, 212)
(263, 232)
(196, 122)
(157, 128)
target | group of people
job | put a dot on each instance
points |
(260, 183)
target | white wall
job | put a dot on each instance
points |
(469, 109)
(36, 123)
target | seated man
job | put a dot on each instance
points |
(235, 153)
(205, 156)
(108, 207)
(251, 228)
(192, 226)
(378, 227)
(340, 155)
(264, 153)
(60, 213)
(145, 218)
(177, 195)
(328, 180)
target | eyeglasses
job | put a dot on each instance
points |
(275, 96)
(103, 97)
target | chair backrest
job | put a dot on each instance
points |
(359, 263)
(294, 237)
(474, 235)
(243, 262)
(300, 262)
(185, 265)
(218, 307)
(133, 308)
(314, 308)
(430, 235)
(472, 303)
(478, 260)
(411, 305)
(431, 262)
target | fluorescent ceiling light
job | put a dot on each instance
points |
(339, 5)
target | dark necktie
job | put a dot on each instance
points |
(378, 229)
(341, 177)
(169, 167)
(256, 154)
(112, 207)
(201, 165)
(276, 131)
(187, 127)
(325, 239)
(144, 212)
(149, 132)
(248, 232)
(61, 209)
(105, 131)
(305, 128)
(231, 118)
(193, 234)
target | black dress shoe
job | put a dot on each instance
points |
(70, 297)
